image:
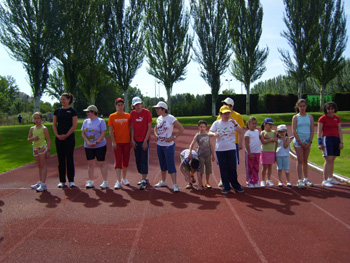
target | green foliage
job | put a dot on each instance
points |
(8, 93)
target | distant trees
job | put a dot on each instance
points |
(8, 92)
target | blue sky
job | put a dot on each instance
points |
(271, 37)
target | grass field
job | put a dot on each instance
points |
(16, 151)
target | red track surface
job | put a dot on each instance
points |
(262, 225)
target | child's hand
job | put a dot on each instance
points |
(251, 157)
(47, 154)
(36, 138)
(213, 158)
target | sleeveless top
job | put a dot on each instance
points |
(203, 145)
(303, 127)
(42, 140)
(270, 147)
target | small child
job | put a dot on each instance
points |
(41, 149)
(252, 153)
(268, 155)
(188, 165)
(282, 153)
(205, 149)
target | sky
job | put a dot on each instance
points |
(273, 26)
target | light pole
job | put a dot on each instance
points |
(228, 83)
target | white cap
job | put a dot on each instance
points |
(229, 101)
(282, 127)
(135, 100)
(161, 104)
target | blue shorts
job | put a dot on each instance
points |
(283, 163)
(305, 140)
(166, 157)
(331, 146)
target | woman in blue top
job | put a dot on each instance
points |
(303, 131)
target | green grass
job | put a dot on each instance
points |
(16, 151)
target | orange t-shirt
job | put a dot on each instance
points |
(120, 124)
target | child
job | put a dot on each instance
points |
(41, 149)
(205, 151)
(282, 153)
(189, 165)
(268, 155)
(252, 153)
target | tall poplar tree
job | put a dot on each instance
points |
(245, 27)
(168, 44)
(213, 42)
(29, 29)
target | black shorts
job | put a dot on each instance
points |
(98, 153)
(331, 146)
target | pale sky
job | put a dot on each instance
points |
(271, 37)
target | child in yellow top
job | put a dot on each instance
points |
(40, 138)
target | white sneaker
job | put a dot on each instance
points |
(61, 185)
(161, 184)
(125, 181)
(262, 184)
(89, 184)
(72, 184)
(269, 183)
(256, 185)
(300, 184)
(250, 185)
(332, 180)
(175, 188)
(104, 185)
(117, 185)
(220, 184)
(289, 184)
(307, 182)
(35, 186)
(326, 183)
(280, 184)
(42, 187)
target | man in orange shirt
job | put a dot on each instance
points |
(119, 130)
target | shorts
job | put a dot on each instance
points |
(122, 155)
(283, 163)
(205, 162)
(267, 157)
(331, 146)
(166, 158)
(39, 150)
(304, 140)
(98, 153)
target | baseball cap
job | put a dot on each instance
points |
(91, 108)
(282, 127)
(119, 100)
(228, 101)
(161, 104)
(225, 109)
(268, 120)
(136, 100)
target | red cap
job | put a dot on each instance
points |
(119, 100)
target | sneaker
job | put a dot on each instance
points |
(220, 184)
(125, 181)
(208, 186)
(307, 182)
(262, 184)
(117, 185)
(175, 188)
(143, 185)
(289, 184)
(250, 185)
(188, 186)
(193, 180)
(89, 184)
(326, 183)
(280, 184)
(225, 191)
(300, 184)
(139, 183)
(269, 183)
(239, 190)
(35, 186)
(161, 184)
(72, 184)
(104, 185)
(42, 187)
(61, 185)
(332, 180)
(256, 185)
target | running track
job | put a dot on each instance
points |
(77, 225)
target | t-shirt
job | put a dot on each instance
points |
(254, 141)
(40, 133)
(65, 119)
(203, 144)
(184, 158)
(140, 121)
(270, 147)
(281, 151)
(330, 125)
(226, 140)
(93, 129)
(238, 118)
(120, 124)
(303, 128)
(165, 127)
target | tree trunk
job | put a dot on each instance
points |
(300, 88)
(323, 87)
(247, 99)
(92, 95)
(126, 108)
(168, 93)
(213, 106)
(36, 104)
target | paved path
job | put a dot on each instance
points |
(79, 225)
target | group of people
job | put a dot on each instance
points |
(134, 131)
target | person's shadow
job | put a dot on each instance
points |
(50, 200)
(110, 196)
(74, 194)
(2, 203)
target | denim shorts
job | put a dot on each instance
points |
(283, 163)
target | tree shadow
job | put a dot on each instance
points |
(50, 200)
(74, 194)
(109, 196)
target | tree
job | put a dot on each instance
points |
(124, 41)
(168, 44)
(332, 44)
(301, 19)
(245, 30)
(56, 83)
(213, 53)
(8, 92)
(29, 29)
